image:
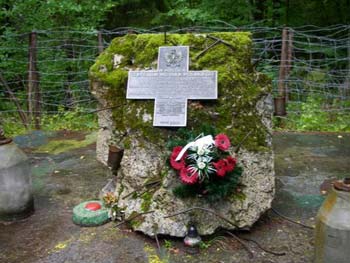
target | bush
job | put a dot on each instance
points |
(75, 120)
(316, 114)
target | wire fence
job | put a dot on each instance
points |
(46, 72)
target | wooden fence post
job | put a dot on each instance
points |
(289, 60)
(100, 42)
(347, 81)
(34, 96)
(280, 101)
(16, 101)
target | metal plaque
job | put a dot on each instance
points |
(171, 86)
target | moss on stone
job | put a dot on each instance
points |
(135, 223)
(146, 201)
(135, 220)
(60, 146)
(240, 87)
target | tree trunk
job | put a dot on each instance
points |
(283, 64)
(289, 60)
(280, 101)
(33, 92)
(22, 114)
(100, 42)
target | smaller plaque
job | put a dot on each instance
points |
(170, 112)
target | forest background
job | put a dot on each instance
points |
(63, 20)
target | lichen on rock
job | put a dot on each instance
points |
(243, 106)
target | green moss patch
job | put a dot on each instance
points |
(146, 201)
(60, 146)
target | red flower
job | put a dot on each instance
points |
(188, 176)
(222, 142)
(230, 163)
(176, 151)
(220, 167)
(177, 165)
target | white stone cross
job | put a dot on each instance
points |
(171, 86)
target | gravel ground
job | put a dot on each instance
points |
(303, 162)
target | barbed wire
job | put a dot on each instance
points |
(318, 65)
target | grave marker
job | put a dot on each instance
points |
(171, 86)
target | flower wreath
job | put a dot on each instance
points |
(206, 168)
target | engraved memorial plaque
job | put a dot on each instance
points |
(171, 86)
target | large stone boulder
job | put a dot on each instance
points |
(145, 181)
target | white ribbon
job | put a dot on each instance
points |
(199, 143)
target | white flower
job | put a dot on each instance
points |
(201, 165)
(200, 151)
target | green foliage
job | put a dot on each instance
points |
(214, 190)
(75, 120)
(316, 114)
(168, 244)
(317, 12)
(20, 17)
(205, 244)
(237, 12)
(12, 125)
(219, 188)
(61, 70)
(24, 16)
(199, 12)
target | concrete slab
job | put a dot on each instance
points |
(303, 161)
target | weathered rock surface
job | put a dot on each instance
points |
(145, 182)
